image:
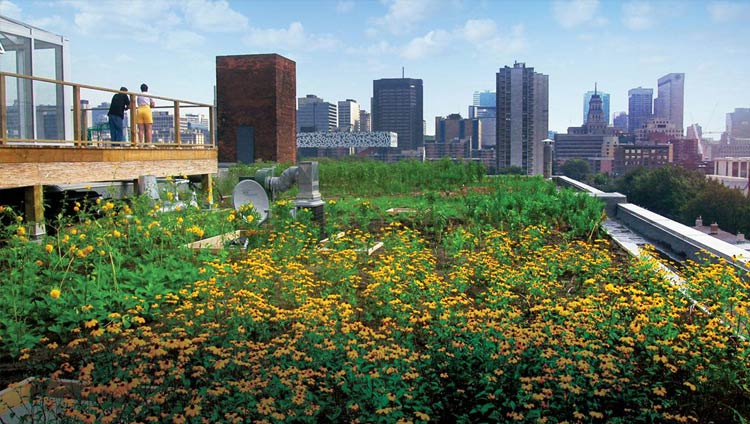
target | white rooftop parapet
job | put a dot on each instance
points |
(680, 237)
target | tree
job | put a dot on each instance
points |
(716, 203)
(665, 190)
(577, 169)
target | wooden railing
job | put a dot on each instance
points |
(81, 127)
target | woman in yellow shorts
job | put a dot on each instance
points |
(143, 117)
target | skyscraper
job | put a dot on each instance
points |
(349, 116)
(620, 121)
(605, 105)
(397, 107)
(484, 98)
(738, 124)
(365, 124)
(670, 103)
(640, 104)
(315, 114)
(522, 117)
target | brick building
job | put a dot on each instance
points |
(256, 107)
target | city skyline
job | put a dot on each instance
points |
(456, 47)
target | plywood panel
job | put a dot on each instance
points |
(51, 173)
(73, 154)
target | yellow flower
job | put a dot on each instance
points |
(49, 248)
(659, 391)
(54, 293)
(21, 231)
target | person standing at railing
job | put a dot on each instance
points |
(144, 119)
(116, 115)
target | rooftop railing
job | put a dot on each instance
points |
(25, 121)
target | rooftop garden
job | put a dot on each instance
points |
(475, 299)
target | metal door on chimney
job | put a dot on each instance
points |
(245, 144)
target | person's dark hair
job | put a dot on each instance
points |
(123, 88)
(144, 87)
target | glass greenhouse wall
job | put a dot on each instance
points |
(35, 109)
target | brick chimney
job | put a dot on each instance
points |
(714, 229)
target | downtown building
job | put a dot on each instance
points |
(594, 141)
(640, 107)
(349, 116)
(522, 120)
(316, 115)
(605, 105)
(670, 103)
(397, 107)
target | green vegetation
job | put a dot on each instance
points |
(489, 300)
(684, 195)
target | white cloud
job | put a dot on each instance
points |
(476, 30)
(124, 58)
(480, 34)
(654, 60)
(292, 38)
(637, 15)
(725, 11)
(213, 16)
(183, 40)
(344, 6)
(573, 13)
(142, 20)
(10, 9)
(432, 43)
(47, 23)
(402, 15)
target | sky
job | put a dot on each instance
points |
(455, 46)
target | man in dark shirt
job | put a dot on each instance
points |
(120, 103)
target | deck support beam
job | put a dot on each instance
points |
(207, 188)
(34, 210)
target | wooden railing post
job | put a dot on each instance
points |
(177, 122)
(77, 115)
(3, 113)
(133, 129)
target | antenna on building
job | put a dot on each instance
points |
(402, 72)
(595, 88)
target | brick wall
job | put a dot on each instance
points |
(258, 91)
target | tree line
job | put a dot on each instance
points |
(675, 192)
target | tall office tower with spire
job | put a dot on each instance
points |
(522, 118)
(640, 107)
(670, 103)
(349, 116)
(397, 107)
(605, 105)
(595, 123)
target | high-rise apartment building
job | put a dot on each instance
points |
(454, 128)
(349, 116)
(316, 115)
(670, 103)
(256, 119)
(365, 121)
(522, 117)
(605, 105)
(640, 107)
(620, 121)
(738, 124)
(484, 98)
(397, 107)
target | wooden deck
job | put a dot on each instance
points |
(29, 166)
